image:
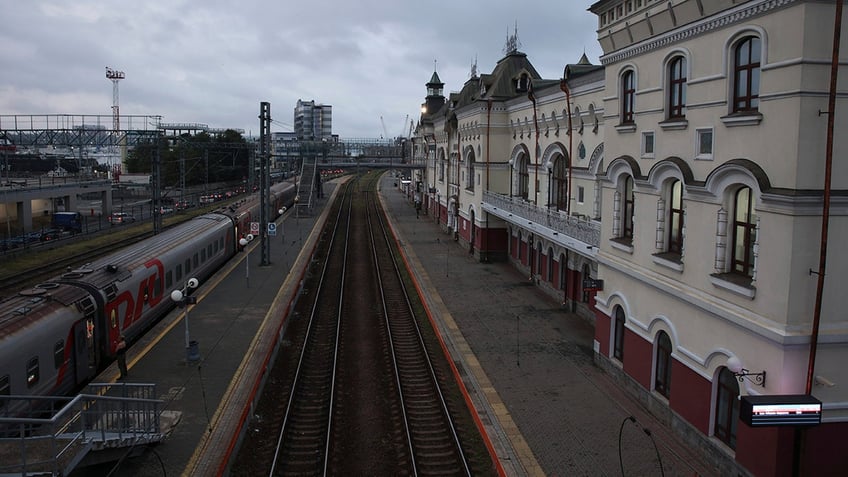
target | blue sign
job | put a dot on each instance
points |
(272, 229)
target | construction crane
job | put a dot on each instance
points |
(385, 131)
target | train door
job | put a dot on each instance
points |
(85, 351)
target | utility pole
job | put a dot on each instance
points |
(264, 183)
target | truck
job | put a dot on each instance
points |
(70, 221)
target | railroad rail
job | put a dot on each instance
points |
(368, 389)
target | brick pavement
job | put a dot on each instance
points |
(528, 365)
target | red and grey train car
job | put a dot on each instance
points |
(58, 335)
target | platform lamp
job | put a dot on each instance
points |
(735, 367)
(243, 242)
(282, 211)
(511, 166)
(182, 298)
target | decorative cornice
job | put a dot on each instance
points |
(720, 21)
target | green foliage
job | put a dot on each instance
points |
(200, 158)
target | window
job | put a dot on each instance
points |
(746, 75)
(627, 212)
(662, 381)
(628, 93)
(587, 273)
(560, 184)
(5, 386)
(581, 151)
(563, 272)
(677, 88)
(523, 178)
(470, 182)
(580, 194)
(550, 265)
(618, 340)
(442, 170)
(675, 217)
(744, 233)
(648, 144)
(727, 408)
(32, 373)
(59, 354)
(704, 143)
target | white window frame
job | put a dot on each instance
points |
(698, 154)
(645, 153)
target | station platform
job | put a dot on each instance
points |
(526, 363)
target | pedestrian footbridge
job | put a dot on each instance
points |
(42, 436)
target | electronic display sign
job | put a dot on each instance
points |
(786, 410)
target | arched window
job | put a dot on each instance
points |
(560, 184)
(662, 380)
(675, 217)
(471, 175)
(550, 265)
(618, 339)
(727, 407)
(538, 257)
(677, 88)
(744, 233)
(627, 210)
(523, 177)
(563, 271)
(746, 75)
(628, 96)
(442, 170)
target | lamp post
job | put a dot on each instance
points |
(243, 242)
(511, 166)
(550, 166)
(282, 224)
(182, 298)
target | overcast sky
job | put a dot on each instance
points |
(213, 62)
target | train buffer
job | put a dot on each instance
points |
(42, 436)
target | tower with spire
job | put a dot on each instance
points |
(435, 95)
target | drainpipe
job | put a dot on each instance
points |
(485, 237)
(800, 433)
(532, 98)
(563, 85)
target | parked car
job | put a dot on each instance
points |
(54, 233)
(119, 218)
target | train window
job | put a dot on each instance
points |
(59, 353)
(195, 262)
(209, 250)
(188, 266)
(5, 387)
(179, 272)
(202, 255)
(169, 279)
(32, 372)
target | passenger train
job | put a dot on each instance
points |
(58, 335)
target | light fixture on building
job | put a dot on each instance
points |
(735, 366)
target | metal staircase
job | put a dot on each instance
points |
(53, 435)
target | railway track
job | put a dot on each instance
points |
(368, 389)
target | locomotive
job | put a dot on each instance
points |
(58, 335)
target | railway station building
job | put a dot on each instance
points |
(674, 195)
